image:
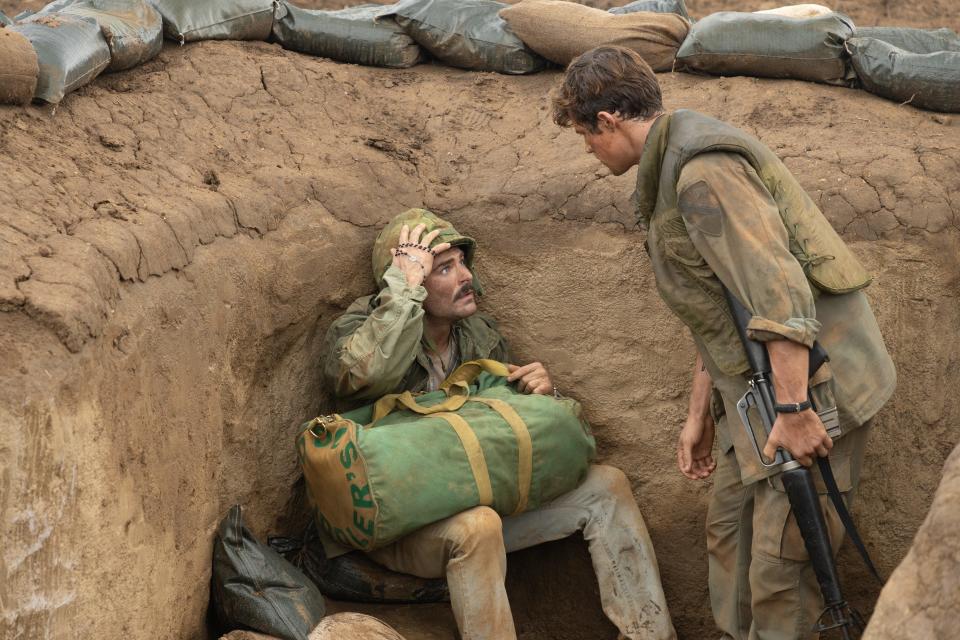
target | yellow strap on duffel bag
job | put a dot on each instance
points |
(347, 494)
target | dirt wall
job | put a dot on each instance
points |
(920, 599)
(178, 237)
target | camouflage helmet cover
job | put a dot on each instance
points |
(389, 237)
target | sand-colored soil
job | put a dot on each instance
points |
(176, 239)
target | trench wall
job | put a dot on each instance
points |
(177, 239)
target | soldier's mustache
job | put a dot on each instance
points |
(463, 291)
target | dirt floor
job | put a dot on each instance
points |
(178, 237)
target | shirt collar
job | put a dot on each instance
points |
(648, 170)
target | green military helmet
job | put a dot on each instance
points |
(389, 238)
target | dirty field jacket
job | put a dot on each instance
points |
(721, 208)
(377, 346)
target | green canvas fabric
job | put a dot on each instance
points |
(408, 470)
(190, 20)
(913, 40)
(71, 52)
(731, 43)
(133, 28)
(354, 34)
(926, 77)
(469, 34)
(253, 587)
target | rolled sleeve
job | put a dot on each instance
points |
(736, 226)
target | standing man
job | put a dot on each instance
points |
(722, 210)
(417, 330)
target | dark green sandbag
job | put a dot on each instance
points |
(926, 80)
(468, 34)
(254, 588)
(355, 34)
(353, 576)
(71, 52)
(769, 46)
(915, 40)
(132, 28)
(656, 6)
(189, 20)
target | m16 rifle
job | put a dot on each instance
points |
(798, 481)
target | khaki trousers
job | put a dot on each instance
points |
(762, 586)
(470, 549)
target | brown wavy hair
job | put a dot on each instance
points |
(607, 78)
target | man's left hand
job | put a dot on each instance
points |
(802, 434)
(531, 378)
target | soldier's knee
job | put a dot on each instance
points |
(479, 526)
(610, 480)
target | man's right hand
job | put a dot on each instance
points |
(413, 255)
(695, 448)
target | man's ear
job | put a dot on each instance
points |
(607, 121)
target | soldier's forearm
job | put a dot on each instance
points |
(789, 362)
(699, 392)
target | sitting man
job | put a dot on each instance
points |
(410, 336)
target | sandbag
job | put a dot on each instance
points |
(132, 28)
(768, 46)
(71, 52)
(380, 472)
(190, 20)
(927, 80)
(339, 626)
(656, 6)
(353, 626)
(913, 40)
(18, 68)
(799, 11)
(4, 19)
(253, 587)
(560, 31)
(467, 33)
(355, 34)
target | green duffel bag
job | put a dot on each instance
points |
(378, 473)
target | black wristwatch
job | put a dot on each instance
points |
(792, 407)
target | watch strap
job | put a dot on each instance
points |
(792, 407)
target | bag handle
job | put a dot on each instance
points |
(456, 386)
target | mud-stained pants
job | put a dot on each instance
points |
(470, 549)
(762, 586)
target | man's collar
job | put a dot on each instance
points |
(648, 170)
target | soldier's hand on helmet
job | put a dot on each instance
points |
(531, 378)
(413, 255)
(802, 434)
(695, 447)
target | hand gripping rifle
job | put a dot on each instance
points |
(798, 481)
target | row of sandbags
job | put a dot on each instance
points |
(68, 43)
(803, 42)
(75, 40)
(908, 65)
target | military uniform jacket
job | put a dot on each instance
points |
(721, 209)
(377, 346)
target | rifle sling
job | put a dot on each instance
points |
(835, 496)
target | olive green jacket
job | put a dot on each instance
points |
(377, 346)
(721, 209)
